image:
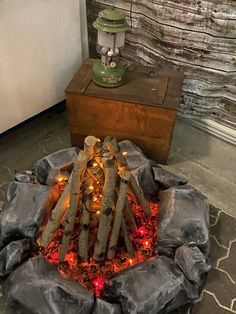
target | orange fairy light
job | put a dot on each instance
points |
(91, 187)
(95, 164)
(60, 179)
(131, 261)
(125, 153)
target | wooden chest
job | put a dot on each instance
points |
(143, 110)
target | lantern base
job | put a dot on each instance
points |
(108, 77)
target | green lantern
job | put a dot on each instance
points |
(111, 26)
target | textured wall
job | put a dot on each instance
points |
(41, 47)
(198, 37)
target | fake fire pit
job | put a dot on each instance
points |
(103, 230)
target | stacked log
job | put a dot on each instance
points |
(197, 37)
(99, 172)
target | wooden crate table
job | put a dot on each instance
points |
(143, 110)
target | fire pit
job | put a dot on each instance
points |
(104, 230)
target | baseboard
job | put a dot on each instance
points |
(59, 107)
(223, 132)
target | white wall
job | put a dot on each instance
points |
(42, 43)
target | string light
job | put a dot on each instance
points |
(125, 153)
(91, 187)
(98, 212)
(142, 230)
(71, 258)
(95, 199)
(95, 164)
(98, 284)
(60, 179)
(131, 261)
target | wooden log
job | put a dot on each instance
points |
(105, 220)
(140, 196)
(92, 241)
(93, 148)
(79, 167)
(127, 239)
(112, 145)
(83, 244)
(56, 216)
(89, 145)
(129, 217)
(118, 215)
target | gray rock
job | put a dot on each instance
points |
(192, 262)
(26, 177)
(24, 211)
(102, 307)
(50, 166)
(183, 219)
(166, 178)
(1, 205)
(13, 255)
(135, 157)
(149, 287)
(36, 287)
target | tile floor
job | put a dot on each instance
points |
(206, 161)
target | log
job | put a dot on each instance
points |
(92, 241)
(112, 145)
(56, 216)
(79, 167)
(93, 147)
(118, 214)
(83, 244)
(129, 217)
(89, 145)
(108, 194)
(140, 196)
(127, 239)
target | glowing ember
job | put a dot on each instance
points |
(142, 231)
(93, 275)
(98, 285)
(71, 259)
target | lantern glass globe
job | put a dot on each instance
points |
(111, 40)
